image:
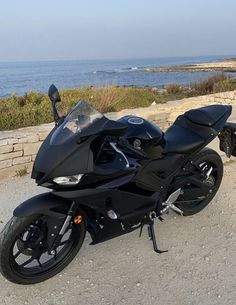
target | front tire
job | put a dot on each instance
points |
(209, 157)
(12, 239)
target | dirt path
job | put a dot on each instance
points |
(200, 267)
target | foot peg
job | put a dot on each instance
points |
(172, 207)
(169, 203)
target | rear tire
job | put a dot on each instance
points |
(9, 238)
(209, 156)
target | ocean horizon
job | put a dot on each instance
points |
(25, 76)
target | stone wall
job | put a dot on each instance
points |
(18, 148)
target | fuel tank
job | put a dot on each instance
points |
(140, 132)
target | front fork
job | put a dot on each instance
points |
(57, 225)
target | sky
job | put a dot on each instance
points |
(109, 29)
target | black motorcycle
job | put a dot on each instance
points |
(110, 178)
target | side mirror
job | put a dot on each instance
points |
(53, 94)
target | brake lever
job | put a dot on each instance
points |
(113, 145)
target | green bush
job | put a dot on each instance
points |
(35, 108)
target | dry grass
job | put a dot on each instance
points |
(34, 108)
(206, 86)
(108, 98)
(174, 89)
(22, 172)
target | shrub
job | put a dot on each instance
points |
(21, 101)
(22, 172)
(107, 98)
(35, 108)
(34, 97)
(174, 89)
(206, 86)
(225, 85)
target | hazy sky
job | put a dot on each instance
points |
(98, 29)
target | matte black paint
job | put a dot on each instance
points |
(131, 192)
(39, 204)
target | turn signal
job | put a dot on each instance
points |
(112, 214)
(78, 219)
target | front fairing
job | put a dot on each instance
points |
(72, 149)
(62, 160)
(66, 151)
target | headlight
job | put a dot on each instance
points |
(68, 180)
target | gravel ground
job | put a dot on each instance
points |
(200, 267)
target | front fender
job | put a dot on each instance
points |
(41, 203)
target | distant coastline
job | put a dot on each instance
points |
(22, 77)
(226, 65)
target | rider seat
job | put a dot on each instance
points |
(207, 116)
(195, 129)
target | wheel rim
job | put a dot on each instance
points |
(211, 181)
(29, 255)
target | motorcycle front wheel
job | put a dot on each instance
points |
(24, 255)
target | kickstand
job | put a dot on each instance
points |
(151, 233)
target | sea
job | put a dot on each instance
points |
(22, 77)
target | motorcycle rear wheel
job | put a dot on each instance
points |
(23, 250)
(211, 158)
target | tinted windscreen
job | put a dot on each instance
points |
(78, 120)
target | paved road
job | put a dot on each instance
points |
(200, 267)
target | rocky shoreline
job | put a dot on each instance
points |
(227, 65)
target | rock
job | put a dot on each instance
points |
(29, 139)
(31, 148)
(17, 147)
(206, 258)
(21, 160)
(3, 142)
(5, 164)
(12, 141)
(11, 155)
(6, 149)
